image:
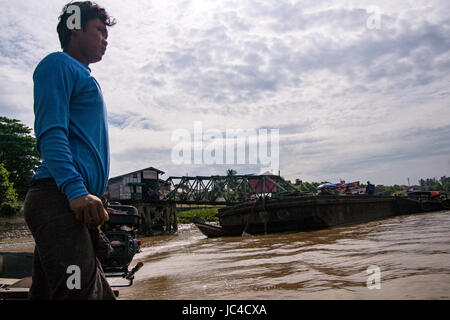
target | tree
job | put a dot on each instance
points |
(305, 186)
(444, 180)
(7, 192)
(442, 184)
(8, 196)
(18, 153)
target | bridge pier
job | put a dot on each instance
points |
(157, 218)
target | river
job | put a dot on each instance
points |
(412, 253)
(409, 257)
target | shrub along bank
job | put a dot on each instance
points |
(188, 216)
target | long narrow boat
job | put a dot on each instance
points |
(300, 212)
(209, 230)
(16, 271)
(15, 274)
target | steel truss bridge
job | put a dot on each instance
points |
(218, 190)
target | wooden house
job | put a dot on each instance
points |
(141, 185)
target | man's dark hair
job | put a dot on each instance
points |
(89, 11)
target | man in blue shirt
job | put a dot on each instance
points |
(72, 138)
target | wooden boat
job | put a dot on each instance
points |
(300, 212)
(209, 230)
(15, 274)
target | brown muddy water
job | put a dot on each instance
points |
(412, 253)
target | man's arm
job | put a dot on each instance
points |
(53, 86)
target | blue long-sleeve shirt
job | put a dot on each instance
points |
(70, 126)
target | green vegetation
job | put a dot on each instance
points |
(18, 162)
(307, 186)
(389, 190)
(442, 184)
(8, 196)
(18, 153)
(188, 216)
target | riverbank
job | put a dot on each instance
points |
(15, 235)
(13, 228)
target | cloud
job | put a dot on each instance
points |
(351, 100)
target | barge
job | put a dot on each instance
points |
(306, 212)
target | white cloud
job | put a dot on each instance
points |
(350, 102)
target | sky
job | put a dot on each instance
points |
(356, 90)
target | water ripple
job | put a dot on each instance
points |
(412, 252)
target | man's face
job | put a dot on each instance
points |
(92, 41)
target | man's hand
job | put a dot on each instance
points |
(89, 210)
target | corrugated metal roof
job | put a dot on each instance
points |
(149, 168)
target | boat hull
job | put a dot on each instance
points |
(209, 230)
(311, 213)
(16, 265)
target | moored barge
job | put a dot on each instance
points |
(300, 212)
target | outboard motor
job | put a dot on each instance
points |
(121, 231)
